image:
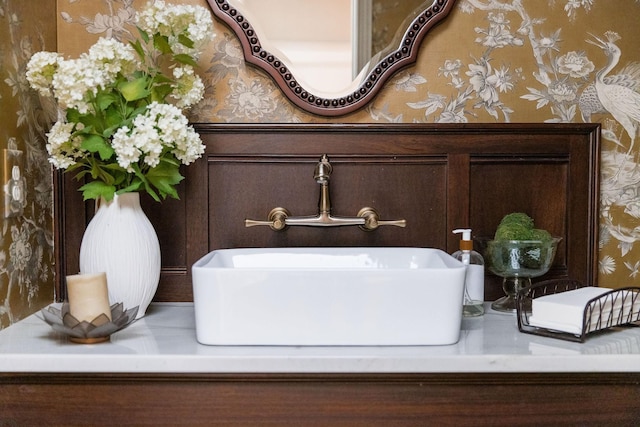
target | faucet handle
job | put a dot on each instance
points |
(276, 220)
(372, 220)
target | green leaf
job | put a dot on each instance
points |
(75, 166)
(185, 41)
(143, 34)
(73, 115)
(110, 173)
(134, 89)
(144, 182)
(133, 187)
(105, 99)
(89, 120)
(137, 46)
(97, 144)
(97, 189)
(183, 58)
(86, 131)
(115, 167)
(113, 120)
(162, 43)
(165, 177)
(98, 174)
(160, 92)
(161, 78)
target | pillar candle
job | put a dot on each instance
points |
(88, 296)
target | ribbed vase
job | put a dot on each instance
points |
(121, 241)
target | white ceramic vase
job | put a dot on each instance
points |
(121, 241)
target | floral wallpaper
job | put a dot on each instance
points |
(26, 224)
(489, 61)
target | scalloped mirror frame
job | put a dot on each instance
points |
(402, 57)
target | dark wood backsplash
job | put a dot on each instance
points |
(437, 177)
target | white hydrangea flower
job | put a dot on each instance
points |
(62, 146)
(112, 57)
(161, 126)
(188, 88)
(176, 133)
(189, 148)
(41, 69)
(192, 21)
(200, 29)
(75, 79)
(124, 146)
(149, 138)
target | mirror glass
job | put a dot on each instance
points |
(328, 43)
(330, 57)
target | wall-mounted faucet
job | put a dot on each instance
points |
(367, 219)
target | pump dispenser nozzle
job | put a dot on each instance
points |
(466, 244)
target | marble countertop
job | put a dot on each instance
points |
(164, 341)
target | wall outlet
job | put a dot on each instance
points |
(14, 184)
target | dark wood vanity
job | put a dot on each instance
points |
(322, 400)
(437, 177)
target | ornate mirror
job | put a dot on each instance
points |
(370, 67)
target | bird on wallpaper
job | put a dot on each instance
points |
(616, 94)
(589, 104)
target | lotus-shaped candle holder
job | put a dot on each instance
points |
(517, 261)
(98, 330)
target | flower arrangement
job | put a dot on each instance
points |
(121, 120)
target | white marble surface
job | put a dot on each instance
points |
(165, 342)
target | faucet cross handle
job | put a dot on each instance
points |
(372, 220)
(277, 220)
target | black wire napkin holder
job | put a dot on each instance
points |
(598, 314)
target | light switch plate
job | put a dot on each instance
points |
(14, 184)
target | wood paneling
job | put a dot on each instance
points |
(321, 399)
(437, 177)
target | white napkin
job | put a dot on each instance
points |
(564, 311)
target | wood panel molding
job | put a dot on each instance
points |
(437, 177)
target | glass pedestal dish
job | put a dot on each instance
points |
(517, 262)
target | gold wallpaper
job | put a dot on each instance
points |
(489, 61)
(26, 236)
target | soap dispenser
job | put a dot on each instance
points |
(474, 280)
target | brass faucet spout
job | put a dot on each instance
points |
(324, 203)
(322, 174)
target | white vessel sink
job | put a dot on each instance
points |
(328, 296)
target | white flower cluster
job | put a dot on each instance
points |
(74, 81)
(40, 70)
(113, 57)
(161, 128)
(188, 88)
(63, 148)
(190, 21)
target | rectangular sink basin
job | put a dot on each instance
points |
(328, 296)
